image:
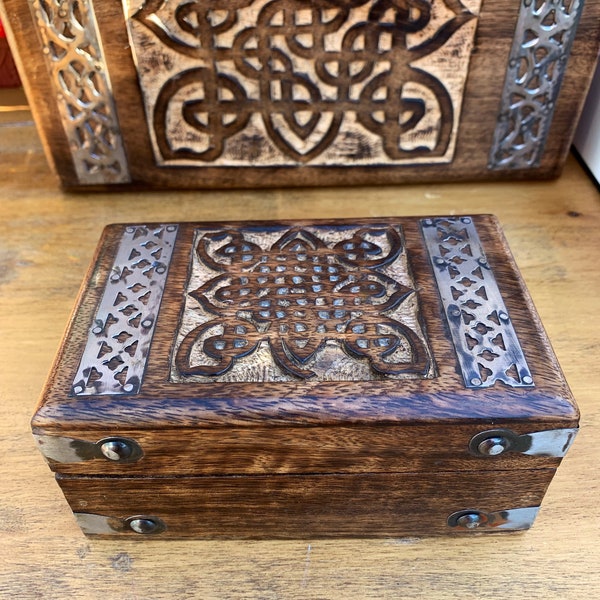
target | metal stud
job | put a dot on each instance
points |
(116, 449)
(493, 446)
(145, 525)
(120, 449)
(471, 520)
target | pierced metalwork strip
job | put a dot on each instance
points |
(484, 338)
(538, 59)
(73, 50)
(119, 339)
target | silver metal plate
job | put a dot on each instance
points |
(114, 359)
(93, 524)
(482, 332)
(72, 450)
(550, 443)
(84, 96)
(538, 60)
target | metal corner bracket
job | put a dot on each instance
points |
(68, 450)
(94, 524)
(552, 443)
(514, 519)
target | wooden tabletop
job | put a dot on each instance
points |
(47, 239)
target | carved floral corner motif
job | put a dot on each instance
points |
(308, 303)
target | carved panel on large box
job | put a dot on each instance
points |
(331, 304)
(290, 82)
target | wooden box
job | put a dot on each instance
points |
(381, 377)
(238, 93)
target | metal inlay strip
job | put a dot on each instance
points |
(538, 58)
(482, 332)
(119, 338)
(84, 98)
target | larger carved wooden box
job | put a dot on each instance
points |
(384, 377)
(230, 93)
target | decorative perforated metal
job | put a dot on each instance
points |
(538, 59)
(73, 50)
(484, 338)
(119, 339)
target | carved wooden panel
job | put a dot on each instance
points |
(288, 82)
(285, 304)
(278, 93)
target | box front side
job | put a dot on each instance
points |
(239, 350)
(289, 92)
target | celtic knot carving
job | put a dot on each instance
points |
(286, 82)
(306, 305)
(538, 59)
(71, 45)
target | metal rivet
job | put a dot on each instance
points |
(116, 449)
(503, 316)
(476, 381)
(470, 520)
(454, 312)
(527, 380)
(493, 446)
(144, 525)
(466, 220)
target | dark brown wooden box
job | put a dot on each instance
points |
(241, 93)
(381, 377)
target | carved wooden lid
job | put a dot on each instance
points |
(377, 321)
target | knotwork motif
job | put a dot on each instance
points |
(265, 79)
(300, 298)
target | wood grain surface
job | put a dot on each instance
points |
(303, 426)
(306, 506)
(479, 108)
(47, 241)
